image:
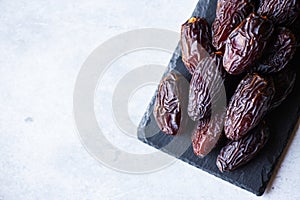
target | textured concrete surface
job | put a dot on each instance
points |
(43, 45)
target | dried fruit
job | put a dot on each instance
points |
(229, 14)
(207, 133)
(170, 104)
(246, 43)
(281, 12)
(279, 53)
(206, 88)
(284, 82)
(195, 42)
(248, 105)
(237, 153)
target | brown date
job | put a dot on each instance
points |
(207, 134)
(284, 82)
(170, 104)
(195, 42)
(279, 53)
(239, 152)
(206, 88)
(246, 43)
(229, 14)
(281, 12)
(248, 105)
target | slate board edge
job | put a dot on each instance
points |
(291, 133)
(269, 174)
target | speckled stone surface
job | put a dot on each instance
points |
(43, 45)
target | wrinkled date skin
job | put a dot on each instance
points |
(237, 153)
(195, 42)
(281, 12)
(248, 105)
(206, 88)
(170, 105)
(246, 43)
(279, 53)
(229, 14)
(284, 82)
(207, 134)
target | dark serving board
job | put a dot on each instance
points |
(254, 176)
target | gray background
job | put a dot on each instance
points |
(43, 45)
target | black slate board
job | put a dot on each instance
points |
(254, 176)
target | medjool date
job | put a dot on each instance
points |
(170, 104)
(207, 133)
(280, 11)
(239, 152)
(229, 14)
(207, 88)
(248, 105)
(246, 43)
(279, 53)
(284, 82)
(195, 42)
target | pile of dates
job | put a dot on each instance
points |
(241, 71)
